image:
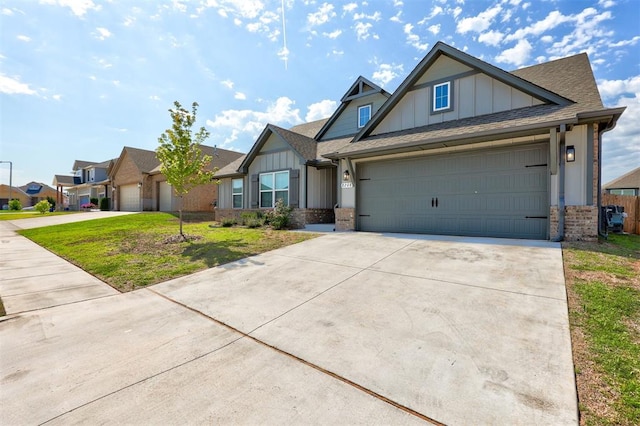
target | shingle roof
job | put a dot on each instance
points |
(80, 164)
(626, 181)
(220, 157)
(231, 169)
(63, 180)
(569, 77)
(144, 160)
(304, 145)
(310, 129)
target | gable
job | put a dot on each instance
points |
(273, 143)
(473, 94)
(346, 123)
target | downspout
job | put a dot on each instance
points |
(561, 214)
(602, 232)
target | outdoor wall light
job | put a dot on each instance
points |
(139, 184)
(345, 176)
(571, 154)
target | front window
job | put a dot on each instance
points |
(274, 186)
(364, 114)
(236, 193)
(441, 96)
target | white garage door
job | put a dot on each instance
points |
(166, 197)
(497, 193)
(130, 198)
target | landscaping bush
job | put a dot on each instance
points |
(280, 216)
(43, 206)
(252, 219)
(254, 223)
(104, 204)
(94, 201)
(52, 202)
(15, 205)
(228, 222)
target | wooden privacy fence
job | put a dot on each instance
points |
(631, 206)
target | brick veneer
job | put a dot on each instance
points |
(345, 219)
(580, 223)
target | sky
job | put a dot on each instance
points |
(81, 79)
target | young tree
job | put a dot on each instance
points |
(181, 159)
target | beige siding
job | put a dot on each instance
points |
(274, 142)
(347, 122)
(275, 161)
(224, 194)
(321, 188)
(473, 95)
(443, 67)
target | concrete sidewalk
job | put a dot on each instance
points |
(347, 328)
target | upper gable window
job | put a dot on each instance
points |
(442, 97)
(364, 115)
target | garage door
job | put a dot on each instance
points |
(166, 197)
(130, 198)
(496, 193)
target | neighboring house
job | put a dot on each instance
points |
(627, 184)
(460, 148)
(15, 194)
(61, 182)
(37, 192)
(90, 180)
(138, 184)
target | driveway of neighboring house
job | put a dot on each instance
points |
(345, 328)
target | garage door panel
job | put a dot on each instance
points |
(130, 198)
(482, 194)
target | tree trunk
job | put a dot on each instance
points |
(180, 212)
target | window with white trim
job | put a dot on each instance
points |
(236, 193)
(442, 96)
(364, 115)
(274, 186)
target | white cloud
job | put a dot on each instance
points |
(322, 16)
(434, 29)
(24, 38)
(227, 83)
(456, 11)
(320, 110)
(620, 148)
(13, 86)
(57, 97)
(630, 42)
(478, 23)
(154, 97)
(128, 21)
(551, 21)
(491, 38)
(362, 30)
(6, 11)
(102, 33)
(414, 39)
(336, 52)
(517, 55)
(78, 7)
(588, 35)
(240, 96)
(247, 9)
(437, 10)
(350, 7)
(546, 39)
(249, 123)
(333, 34)
(606, 3)
(396, 17)
(386, 73)
(375, 17)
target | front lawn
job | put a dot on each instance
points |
(28, 214)
(603, 288)
(132, 251)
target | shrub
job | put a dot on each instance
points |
(88, 206)
(280, 216)
(93, 201)
(254, 223)
(104, 204)
(52, 202)
(43, 206)
(15, 205)
(228, 222)
(252, 219)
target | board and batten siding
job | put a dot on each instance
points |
(473, 95)
(321, 188)
(347, 122)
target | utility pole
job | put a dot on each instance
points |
(10, 178)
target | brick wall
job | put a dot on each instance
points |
(345, 219)
(199, 199)
(580, 223)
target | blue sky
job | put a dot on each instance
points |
(80, 79)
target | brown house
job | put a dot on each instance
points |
(627, 184)
(37, 192)
(138, 184)
(16, 194)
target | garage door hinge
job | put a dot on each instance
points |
(536, 165)
(536, 217)
(364, 215)
(364, 179)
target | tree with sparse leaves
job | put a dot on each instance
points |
(181, 159)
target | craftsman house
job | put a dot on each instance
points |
(460, 148)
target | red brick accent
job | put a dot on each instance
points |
(580, 223)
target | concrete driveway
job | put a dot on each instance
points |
(350, 328)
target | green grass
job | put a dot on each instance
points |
(29, 214)
(130, 251)
(605, 279)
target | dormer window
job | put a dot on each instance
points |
(364, 115)
(442, 97)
